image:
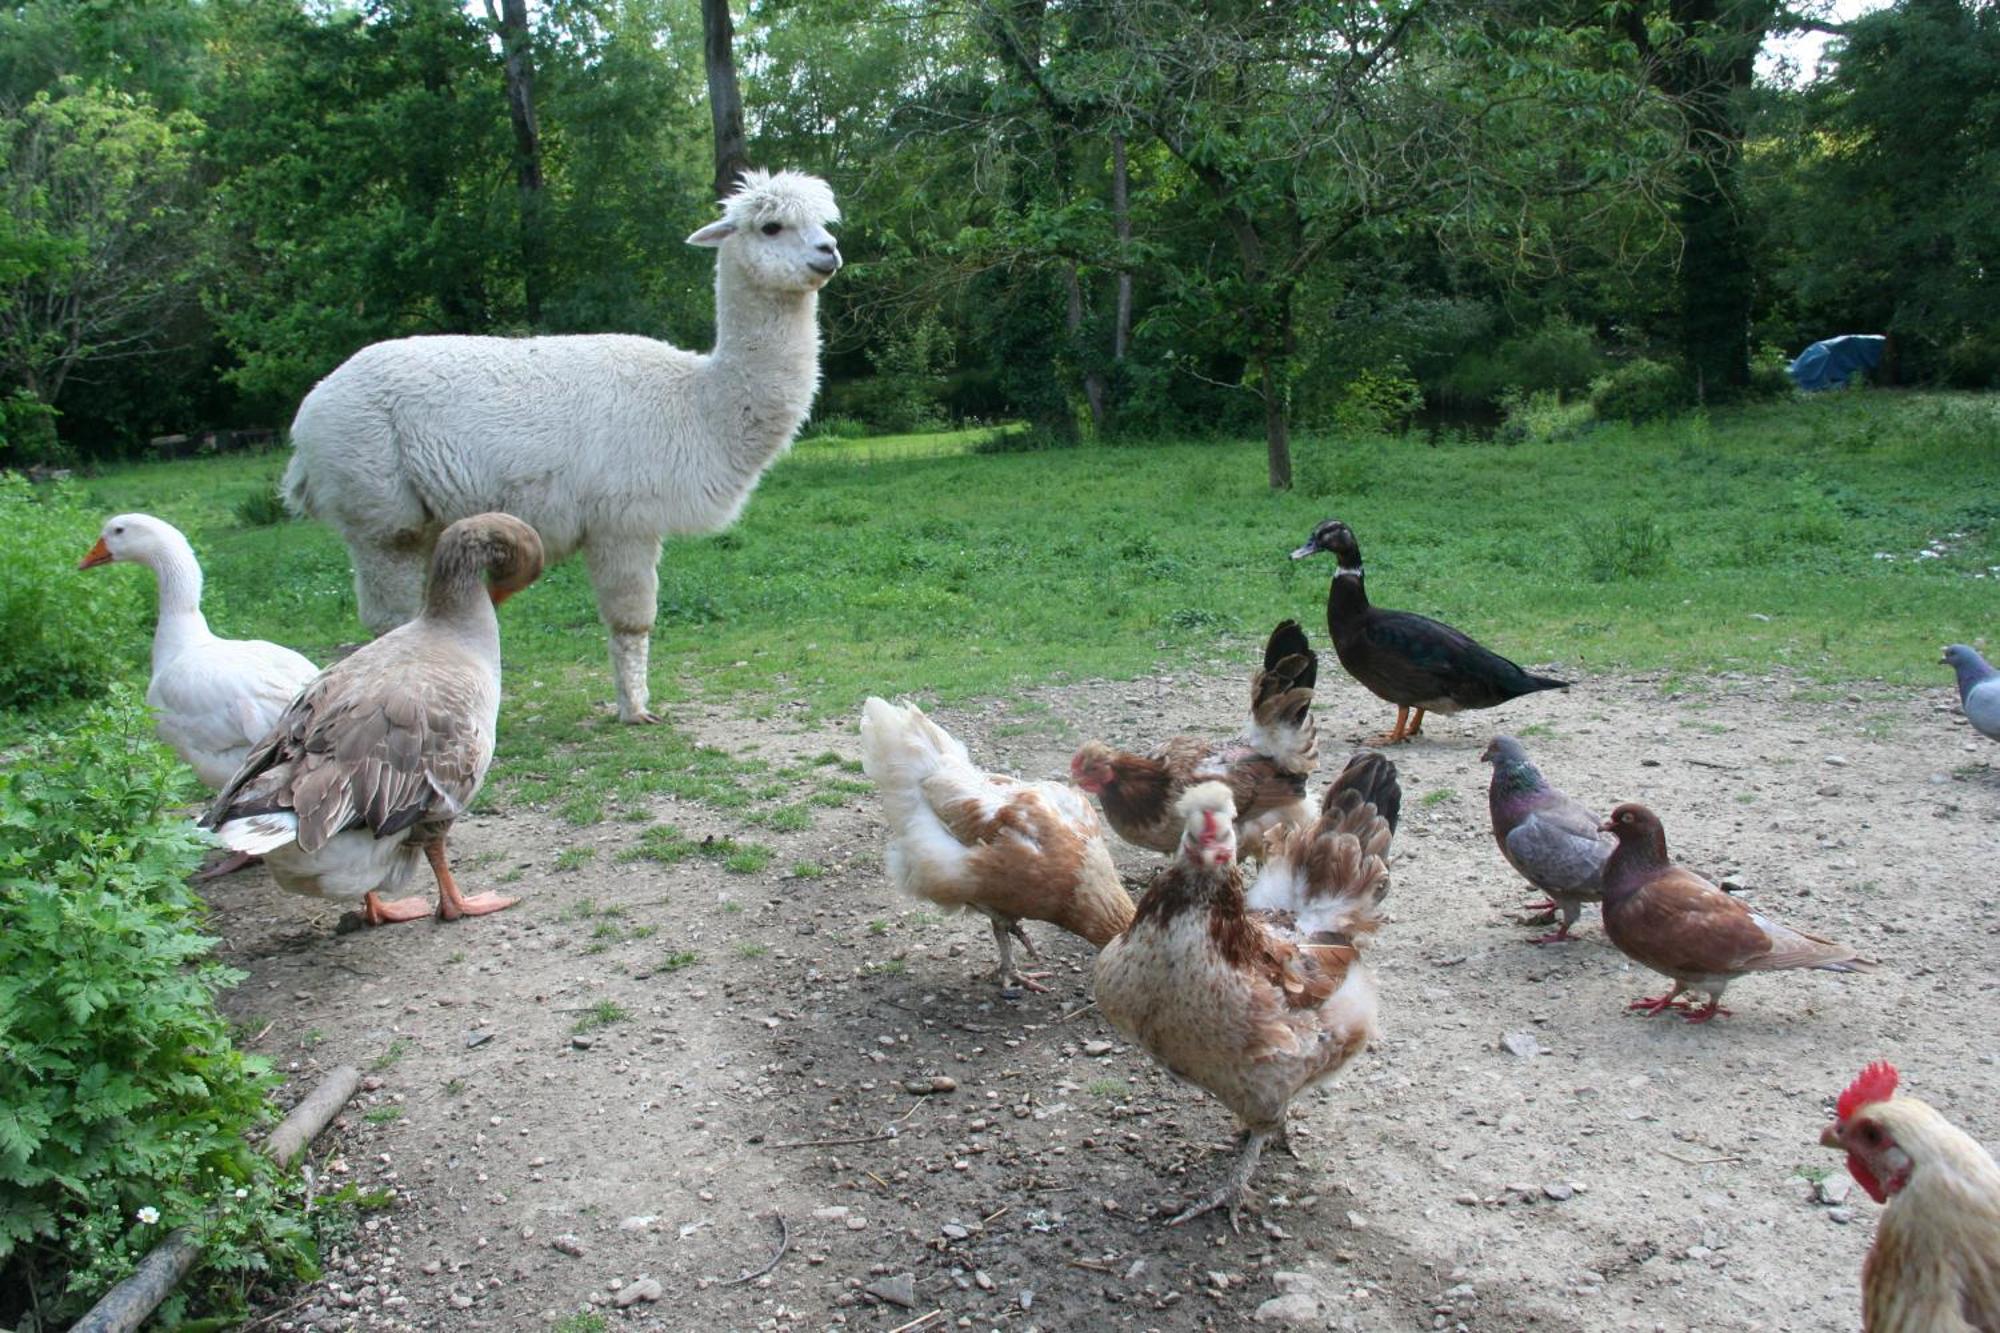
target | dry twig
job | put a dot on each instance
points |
(784, 1243)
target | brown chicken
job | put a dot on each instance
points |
(1683, 927)
(1935, 1265)
(963, 838)
(1265, 767)
(1258, 996)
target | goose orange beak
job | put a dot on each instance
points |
(99, 554)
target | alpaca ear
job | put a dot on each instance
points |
(714, 234)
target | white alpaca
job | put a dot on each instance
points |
(602, 441)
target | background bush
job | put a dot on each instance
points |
(120, 1089)
(66, 632)
(1640, 390)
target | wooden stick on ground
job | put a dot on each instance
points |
(128, 1305)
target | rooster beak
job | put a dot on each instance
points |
(1830, 1137)
(99, 554)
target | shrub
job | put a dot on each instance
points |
(1543, 418)
(123, 1103)
(1629, 546)
(1029, 439)
(262, 507)
(1557, 357)
(1377, 402)
(835, 428)
(1638, 390)
(67, 633)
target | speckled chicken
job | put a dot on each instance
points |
(1265, 767)
(964, 838)
(1256, 996)
(1935, 1264)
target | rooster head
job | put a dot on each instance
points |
(1864, 1127)
(1210, 838)
(1093, 767)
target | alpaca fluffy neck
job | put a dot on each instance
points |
(762, 375)
(181, 624)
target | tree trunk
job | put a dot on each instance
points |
(1093, 379)
(1272, 367)
(1121, 223)
(725, 102)
(512, 21)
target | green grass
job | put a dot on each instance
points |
(600, 1015)
(674, 962)
(397, 1050)
(860, 569)
(1437, 797)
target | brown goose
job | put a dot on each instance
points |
(379, 754)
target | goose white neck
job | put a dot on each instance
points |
(181, 621)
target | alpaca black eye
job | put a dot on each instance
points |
(772, 228)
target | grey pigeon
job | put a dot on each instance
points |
(1978, 688)
(1554, 841)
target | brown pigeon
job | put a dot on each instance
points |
(1681, 926)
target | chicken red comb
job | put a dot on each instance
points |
(1876, 1083)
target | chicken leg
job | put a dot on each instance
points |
(1005, 932)
(1234, 1185)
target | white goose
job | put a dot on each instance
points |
(370, 765)
(212, 698)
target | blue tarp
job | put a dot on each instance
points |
(1832, 362)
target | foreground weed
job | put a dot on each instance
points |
(600, 1015)
(398, 1048)
(808, 870)
(569, 858)
(674, 962)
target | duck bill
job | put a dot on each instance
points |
(99, 554)
(1310, 548)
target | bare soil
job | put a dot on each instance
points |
(1625, 1173)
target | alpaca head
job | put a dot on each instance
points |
(773, 229)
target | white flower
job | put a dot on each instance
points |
(243, 1194)
(148, 1215)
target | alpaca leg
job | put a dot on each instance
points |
(626, 578)
(389, 582)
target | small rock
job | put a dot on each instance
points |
(835, 1213)
(1298, 1308)
(985, 1282)
(1289, 1282)
(1559, 1191)
(567, 1244)
(581, 1042)
(924, 1087)
(1522, 1044)
(645, 1289)
(953, 1231)
(460, 1301)
(1834, 1190)
(638, 1223)
(1097, 1047)
(433, 1267)
(898, 1290)
(1837, 760)
(857, 1224)
(1027, 1298)
(1840, 1215)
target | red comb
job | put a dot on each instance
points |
(1876, 1083)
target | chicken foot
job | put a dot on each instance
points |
(1234, 1185)
(1004, 934)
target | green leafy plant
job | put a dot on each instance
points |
(124, 1106)
(67, 632)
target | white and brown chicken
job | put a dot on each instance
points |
(1011, 849)
(1258, 995)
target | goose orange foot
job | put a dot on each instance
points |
(379, 913)
(451, 903)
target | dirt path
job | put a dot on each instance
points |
(1634, 1173)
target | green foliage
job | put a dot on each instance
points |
(67, 631)
(124, 1107)
(904, 392)
(1624, 546)
(1640, 390)
(1559, 357)
(262, 507)
(102, 239)
(1543, 417)
(1378, 401)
